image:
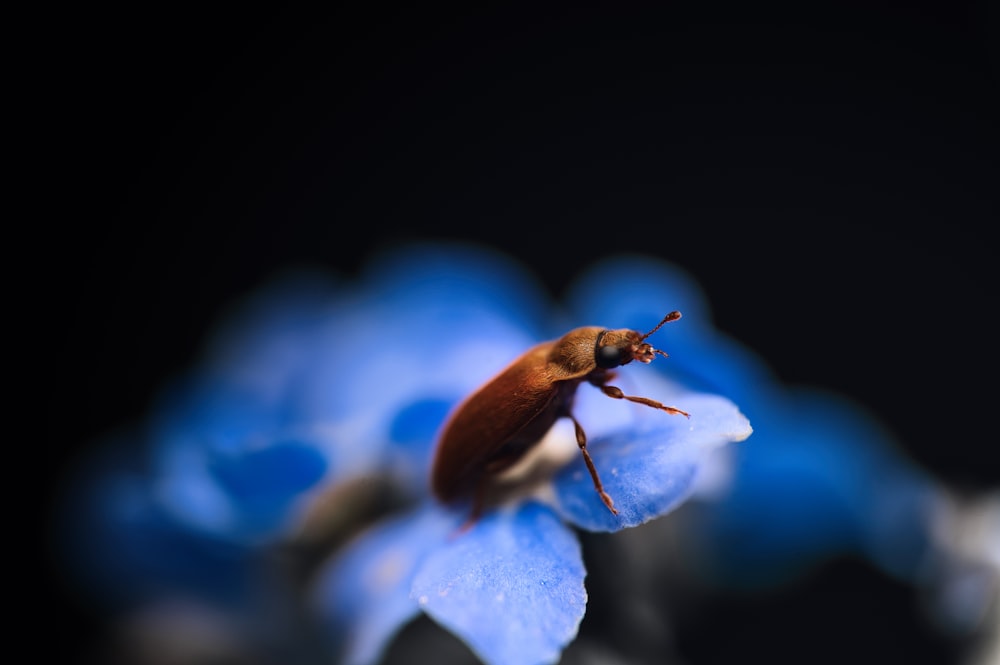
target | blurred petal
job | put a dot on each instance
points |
(649, 468)
(264, 343)
(265, 482)
(463, 274)
(511, 587)
(636, 291)
(426, 326)
(226, 465)
(365, 591)
(822, 478)
(125, 550)
(308, 386)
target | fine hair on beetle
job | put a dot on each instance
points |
(494, 427)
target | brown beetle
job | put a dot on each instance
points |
(494, 427)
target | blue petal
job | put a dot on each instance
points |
(412, 433)
(511, 587)
(459, 273)
(204, 414)
(635, 291)
(650, 468)
(365, 592)
(124, 550)
(225, 459)
(266, 341)
(265, 482)
(821, 479)
(226, 466)
(425, 327)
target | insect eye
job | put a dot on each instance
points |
(608, 356)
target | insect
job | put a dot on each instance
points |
(495, 426)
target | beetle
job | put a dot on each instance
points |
(492, 429)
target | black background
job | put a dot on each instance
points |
(828, 174)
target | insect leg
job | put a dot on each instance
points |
(478, 503)
(581, 440)
(612, 391)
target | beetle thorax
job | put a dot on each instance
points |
(572, 355)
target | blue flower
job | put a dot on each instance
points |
(313, 385)
(512, 585)
(822, 479)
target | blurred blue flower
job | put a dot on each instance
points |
(316, 396)
(822, 479)
(312, 385)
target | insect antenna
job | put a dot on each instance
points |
(672, 316)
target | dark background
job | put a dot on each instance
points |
(828, 174)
